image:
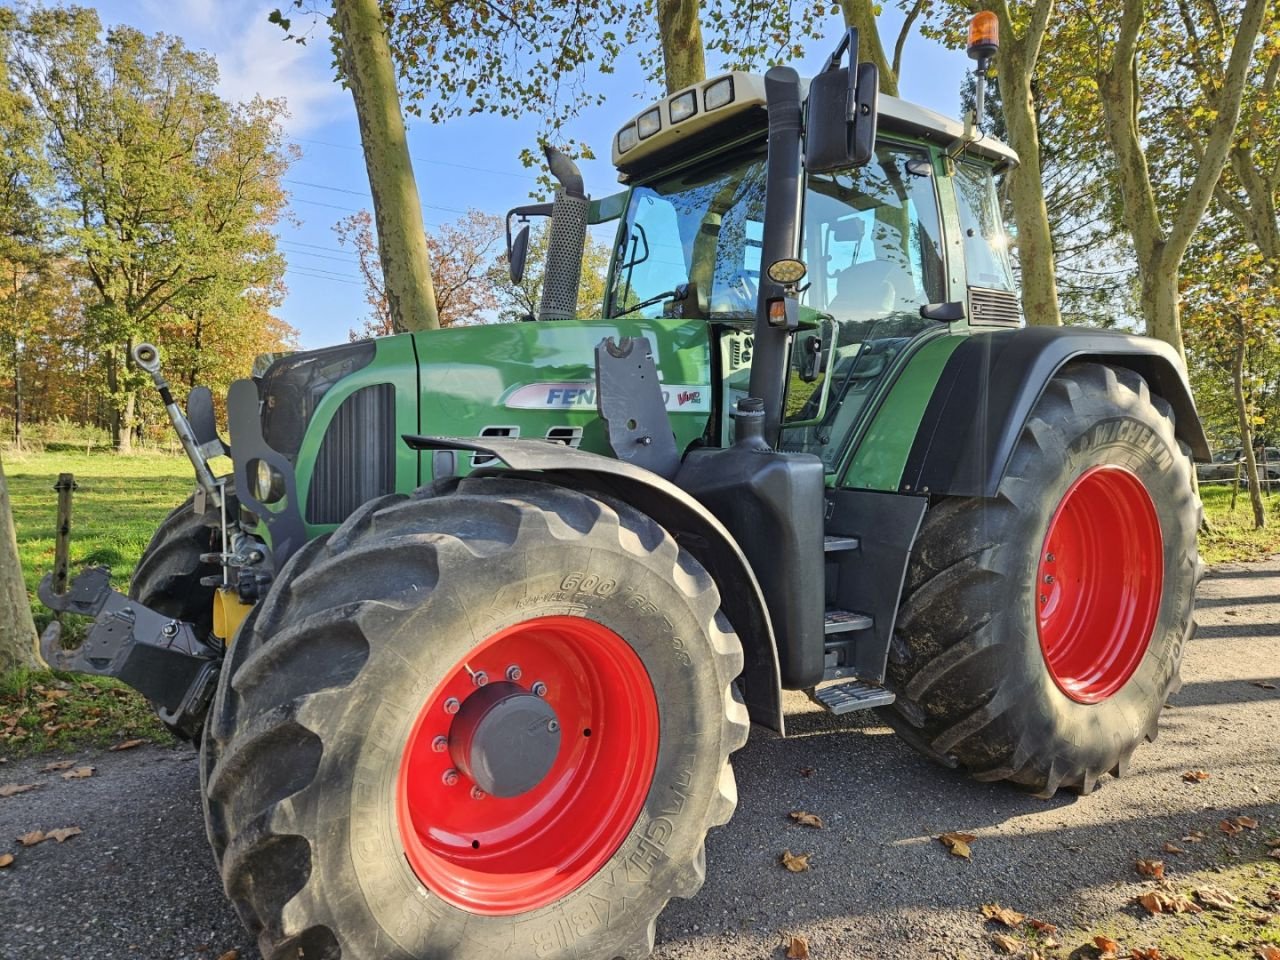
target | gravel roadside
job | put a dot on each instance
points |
(139, 881)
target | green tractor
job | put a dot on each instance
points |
(513, 594)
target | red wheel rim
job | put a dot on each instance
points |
(1098, 583)
(499, 856)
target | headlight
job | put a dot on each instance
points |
(684, 106)
(650, 122)
(718, 94)
(627, 138)
(268, 484)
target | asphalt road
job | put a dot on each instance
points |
(139, 881)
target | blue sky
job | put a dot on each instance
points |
(469, 162)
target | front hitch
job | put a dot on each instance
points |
(158, 656)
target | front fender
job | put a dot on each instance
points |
(991, 382)
(692, 524)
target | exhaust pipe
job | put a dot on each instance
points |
(563, 267)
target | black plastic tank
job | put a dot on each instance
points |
(772, 503)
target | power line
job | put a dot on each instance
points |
(318, 256)
(361, 193)
(438, 163)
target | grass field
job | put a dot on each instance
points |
(120, 501)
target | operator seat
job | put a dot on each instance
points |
(871, 290)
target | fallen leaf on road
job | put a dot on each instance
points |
(1151, 868)
(128, 745)
(1157, 901)
(13, 789)
(5, 860)
(797, 948)
(806, 772)
(57, 765)
(796, 863)
(1172, 848)
(1230, 827)
(1006, 944)
(1195, 836)
(1247, 822)
(1107, 947)
(32, 838)
(1268, 952)
(1261, 919)
(1195, 776)
(1273, 893)
(1214, 897)
(806, 819)
(1274, 853)
(1048, 929)
(1010, 918)
(79, 773)
(1146, 953)
(235, 955)
(63, 833)
(958, 843)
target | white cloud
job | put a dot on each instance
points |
(254, 57)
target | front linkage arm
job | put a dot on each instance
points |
(158, 656)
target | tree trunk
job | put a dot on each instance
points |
(402, 243)
(862, 14)
(1015, 64)
(125, 421)
(684, 60)
(1161, 302)
(1246, 429)
(17, 629)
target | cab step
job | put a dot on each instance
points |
(851, 695)
(832, 544)
(843, 621)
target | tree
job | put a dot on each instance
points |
(165, 190)
(864, 14)
(1161, 236)
(369, 73)
(17, 629)
(462, 252)
(519, 301)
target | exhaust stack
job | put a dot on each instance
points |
(564, 247)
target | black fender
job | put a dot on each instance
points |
(991, 382)
(692, 524)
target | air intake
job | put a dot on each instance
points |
(357, 459)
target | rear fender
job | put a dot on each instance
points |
(992, 381)
(692, 524)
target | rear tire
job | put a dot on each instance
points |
(317, 756)
(1053, 681)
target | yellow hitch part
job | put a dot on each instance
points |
(228, 613)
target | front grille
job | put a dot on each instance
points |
(994, 306)
(294, 385)
(357, 459)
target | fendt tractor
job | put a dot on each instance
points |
(470, 632)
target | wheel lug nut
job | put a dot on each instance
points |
(1049, 558)
(1043, 598)
(480, 678)
(440, 744)
(539, 689)
(514, 673)
(477, 793)
(451, 705)
(1048, 578)
(553, 726)
(450, 778)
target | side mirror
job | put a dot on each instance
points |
(518, 247)
(840, 129)
(517, 252)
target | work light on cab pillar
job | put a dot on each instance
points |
(984, 41)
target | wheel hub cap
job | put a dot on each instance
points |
(505, 739)
(1098, 583)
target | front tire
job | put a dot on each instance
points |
(1042, 631)
(345, 825)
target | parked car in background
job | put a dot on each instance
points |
(1223, 466)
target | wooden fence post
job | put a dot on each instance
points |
(62, 543)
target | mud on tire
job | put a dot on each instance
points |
(973, 684)
(323, 684)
